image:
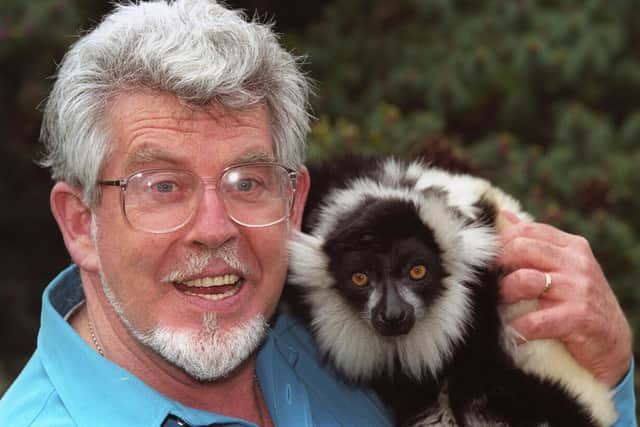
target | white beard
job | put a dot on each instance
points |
(207, 355)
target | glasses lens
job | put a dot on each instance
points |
(257, 195)
(160, 201)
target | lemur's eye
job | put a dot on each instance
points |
(359, 279)
(418, 272)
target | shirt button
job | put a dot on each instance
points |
(288, 394)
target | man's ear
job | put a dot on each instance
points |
(74, 220)
(302, 190)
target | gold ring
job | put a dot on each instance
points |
(547, 283)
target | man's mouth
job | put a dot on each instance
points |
(212, 288)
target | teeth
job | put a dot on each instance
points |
(215, 297)
(227, 279)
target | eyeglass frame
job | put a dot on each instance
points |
(124, 182)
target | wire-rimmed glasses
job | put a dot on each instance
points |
(164, 200)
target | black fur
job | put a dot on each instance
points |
(333, 175)
(481, 379)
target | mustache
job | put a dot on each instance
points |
(196, 262)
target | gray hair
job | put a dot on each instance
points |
(197, 50)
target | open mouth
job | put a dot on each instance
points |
(211, 288)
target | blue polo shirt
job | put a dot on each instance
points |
(66, 383)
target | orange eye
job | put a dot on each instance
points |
(359, 279)
(418, 272)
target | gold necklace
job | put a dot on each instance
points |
(94, 338)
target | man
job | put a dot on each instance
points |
(175, 134)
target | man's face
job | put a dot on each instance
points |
(151, 277)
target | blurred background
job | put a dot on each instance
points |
(542, 97)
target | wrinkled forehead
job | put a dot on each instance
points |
(157, 130)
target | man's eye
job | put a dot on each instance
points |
(245, 185)
(165, 187)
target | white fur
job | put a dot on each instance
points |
(308, 264)
(550, 359)
(347, 338)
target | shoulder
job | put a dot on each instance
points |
(33, 401)
(330, 399)
(287, 328)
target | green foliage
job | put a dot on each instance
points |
(34, 35)
(539, 96)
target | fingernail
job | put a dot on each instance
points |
(510, 216)
(505, 220)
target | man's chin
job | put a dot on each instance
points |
(210, 354)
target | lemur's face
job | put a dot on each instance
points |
(386, 265)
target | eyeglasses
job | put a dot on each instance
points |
(164, 200)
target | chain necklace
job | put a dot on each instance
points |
(94, 338)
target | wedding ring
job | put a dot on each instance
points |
(547, 284)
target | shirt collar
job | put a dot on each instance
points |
(95, 391)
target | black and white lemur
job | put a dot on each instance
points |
(393, 272)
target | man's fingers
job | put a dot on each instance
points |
(523, 252)
(536, 231)
(579, 308)
(550, 322)
(526, 283)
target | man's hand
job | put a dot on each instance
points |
(579, 308)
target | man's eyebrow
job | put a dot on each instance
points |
(256, 156)
(146, 154)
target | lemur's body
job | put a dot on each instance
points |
(393, 273)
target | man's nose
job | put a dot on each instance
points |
(211, 225)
